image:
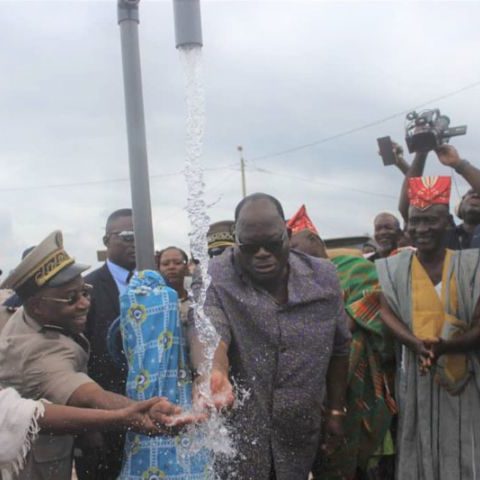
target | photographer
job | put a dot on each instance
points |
(467, 234)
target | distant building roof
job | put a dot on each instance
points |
(346, 242)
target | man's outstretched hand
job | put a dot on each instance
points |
(157, 416)
(221, 391)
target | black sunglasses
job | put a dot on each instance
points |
(273, 246)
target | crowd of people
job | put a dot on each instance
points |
(360, 364)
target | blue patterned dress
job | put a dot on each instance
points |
(155, 350)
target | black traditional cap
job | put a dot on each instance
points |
(220, 234)
(47, 265)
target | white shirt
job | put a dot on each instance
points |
(120, 275)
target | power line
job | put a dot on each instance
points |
(106, 181)
(319, 182)
(365, 126)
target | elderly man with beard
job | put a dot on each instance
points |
(284, 339)
(387, 233)
(430, 303)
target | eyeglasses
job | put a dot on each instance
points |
(126, 236)
(74, 297)
(273, 246)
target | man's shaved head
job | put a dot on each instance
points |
(259, 196)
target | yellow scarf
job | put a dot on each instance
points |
(430, 312)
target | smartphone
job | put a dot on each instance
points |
(386, 150)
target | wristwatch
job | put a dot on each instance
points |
(332, 412)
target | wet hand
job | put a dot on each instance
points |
(222, 390)
(170, 418)
(218, 394)
(155, 416)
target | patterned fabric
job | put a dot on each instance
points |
(370, 406)
(155, 350)
(280, 354)
(301, 221)
(423, 192)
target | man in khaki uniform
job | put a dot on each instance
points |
(44, 354)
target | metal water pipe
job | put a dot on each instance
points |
(128, 20)
(188, 23)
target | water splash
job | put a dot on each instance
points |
(196, 206)
(214, 434)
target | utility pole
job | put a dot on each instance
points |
(128, 20)
(242, 170)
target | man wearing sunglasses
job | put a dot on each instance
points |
(284, 339)
(108, 282)
(44, 354)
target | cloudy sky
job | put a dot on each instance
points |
(278, 76)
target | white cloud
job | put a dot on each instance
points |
(277, 75)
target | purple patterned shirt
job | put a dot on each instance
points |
(280, 353)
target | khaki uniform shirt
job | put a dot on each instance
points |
(5, 314)
(43, 363)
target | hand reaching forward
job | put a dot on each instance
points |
(158, 416)
(221, 391)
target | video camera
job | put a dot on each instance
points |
(428, 130)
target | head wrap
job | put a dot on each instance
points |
(301, 221)
(423, 192)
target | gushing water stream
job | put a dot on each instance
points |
(213, 434)
(196, 206)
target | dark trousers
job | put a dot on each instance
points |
(98, 464)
